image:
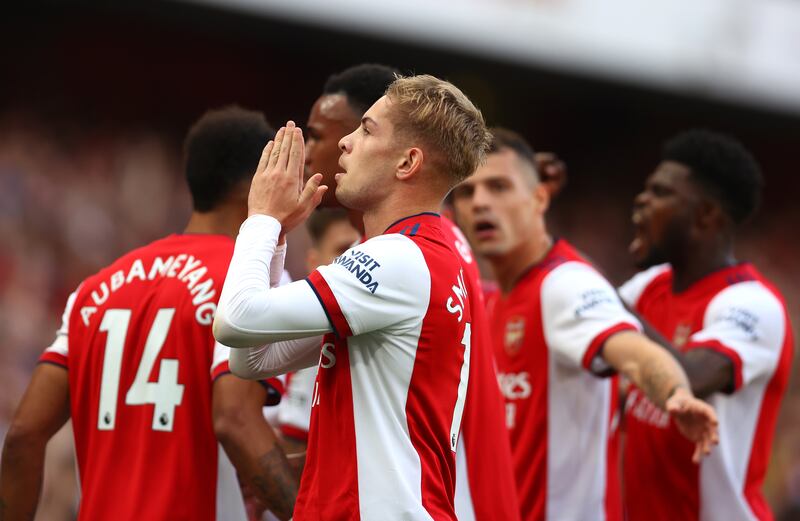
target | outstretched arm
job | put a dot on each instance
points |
(708, 371)
(664, 382)
(43, 411)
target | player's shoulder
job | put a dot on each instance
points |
(575, 279)
(383, 264)
(188, 257)
(646, 281)
(756, 295)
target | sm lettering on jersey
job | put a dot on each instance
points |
(183, 267)
(460, 293)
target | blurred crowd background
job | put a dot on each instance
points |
(95, 100)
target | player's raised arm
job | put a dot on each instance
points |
(250, 314)
(663, 380)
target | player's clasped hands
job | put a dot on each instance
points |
(277, 187)
(696, 420)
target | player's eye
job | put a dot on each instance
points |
(364, 129)
(463, 191)
(497, 186)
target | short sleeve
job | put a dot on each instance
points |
(580, 311)
(379, 284)
(58, 352)
(220, 366)
(631, 290)
(747, 323)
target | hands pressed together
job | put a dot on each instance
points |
(277, 188)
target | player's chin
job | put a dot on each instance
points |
(488, 248)
(644, 258)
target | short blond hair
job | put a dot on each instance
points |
(437, 112)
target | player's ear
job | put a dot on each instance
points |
(709, 215)
(410, 163)
(542, 195)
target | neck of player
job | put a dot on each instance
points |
(216, 222)
(508, 268)
(700, 260)
(376, 220)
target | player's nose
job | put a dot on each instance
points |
(345, 144)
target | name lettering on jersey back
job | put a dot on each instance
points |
(183, 267)
(361, 265)
(459, 290)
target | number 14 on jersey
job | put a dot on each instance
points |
(166, 394)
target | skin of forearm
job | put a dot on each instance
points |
(264, 466)
(21, 478)
(252, 445)
(295, 451)
(646, 364)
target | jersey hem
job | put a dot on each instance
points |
(600, 339)
(53, 358)
(329, 304)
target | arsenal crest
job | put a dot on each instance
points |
(681, 335)
(515, 334)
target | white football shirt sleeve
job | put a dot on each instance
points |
(58, 351)
(745, 322)
(277, 275)
(631, 290)
(250, 312)
(379, 284)
(580, 311)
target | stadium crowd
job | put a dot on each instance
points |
(71, 205)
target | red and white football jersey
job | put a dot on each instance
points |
(485, 486)
(484, 475)
(739, 314)
(547, 334)
(392, 380)
(137, 344)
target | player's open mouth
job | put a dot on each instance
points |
(639, 242)
(484, 229)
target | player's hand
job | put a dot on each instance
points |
(277, 187)
(552, 171)
(696, 420)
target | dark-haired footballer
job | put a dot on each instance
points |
(345, 98)
(135, 366)
(728, 322)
